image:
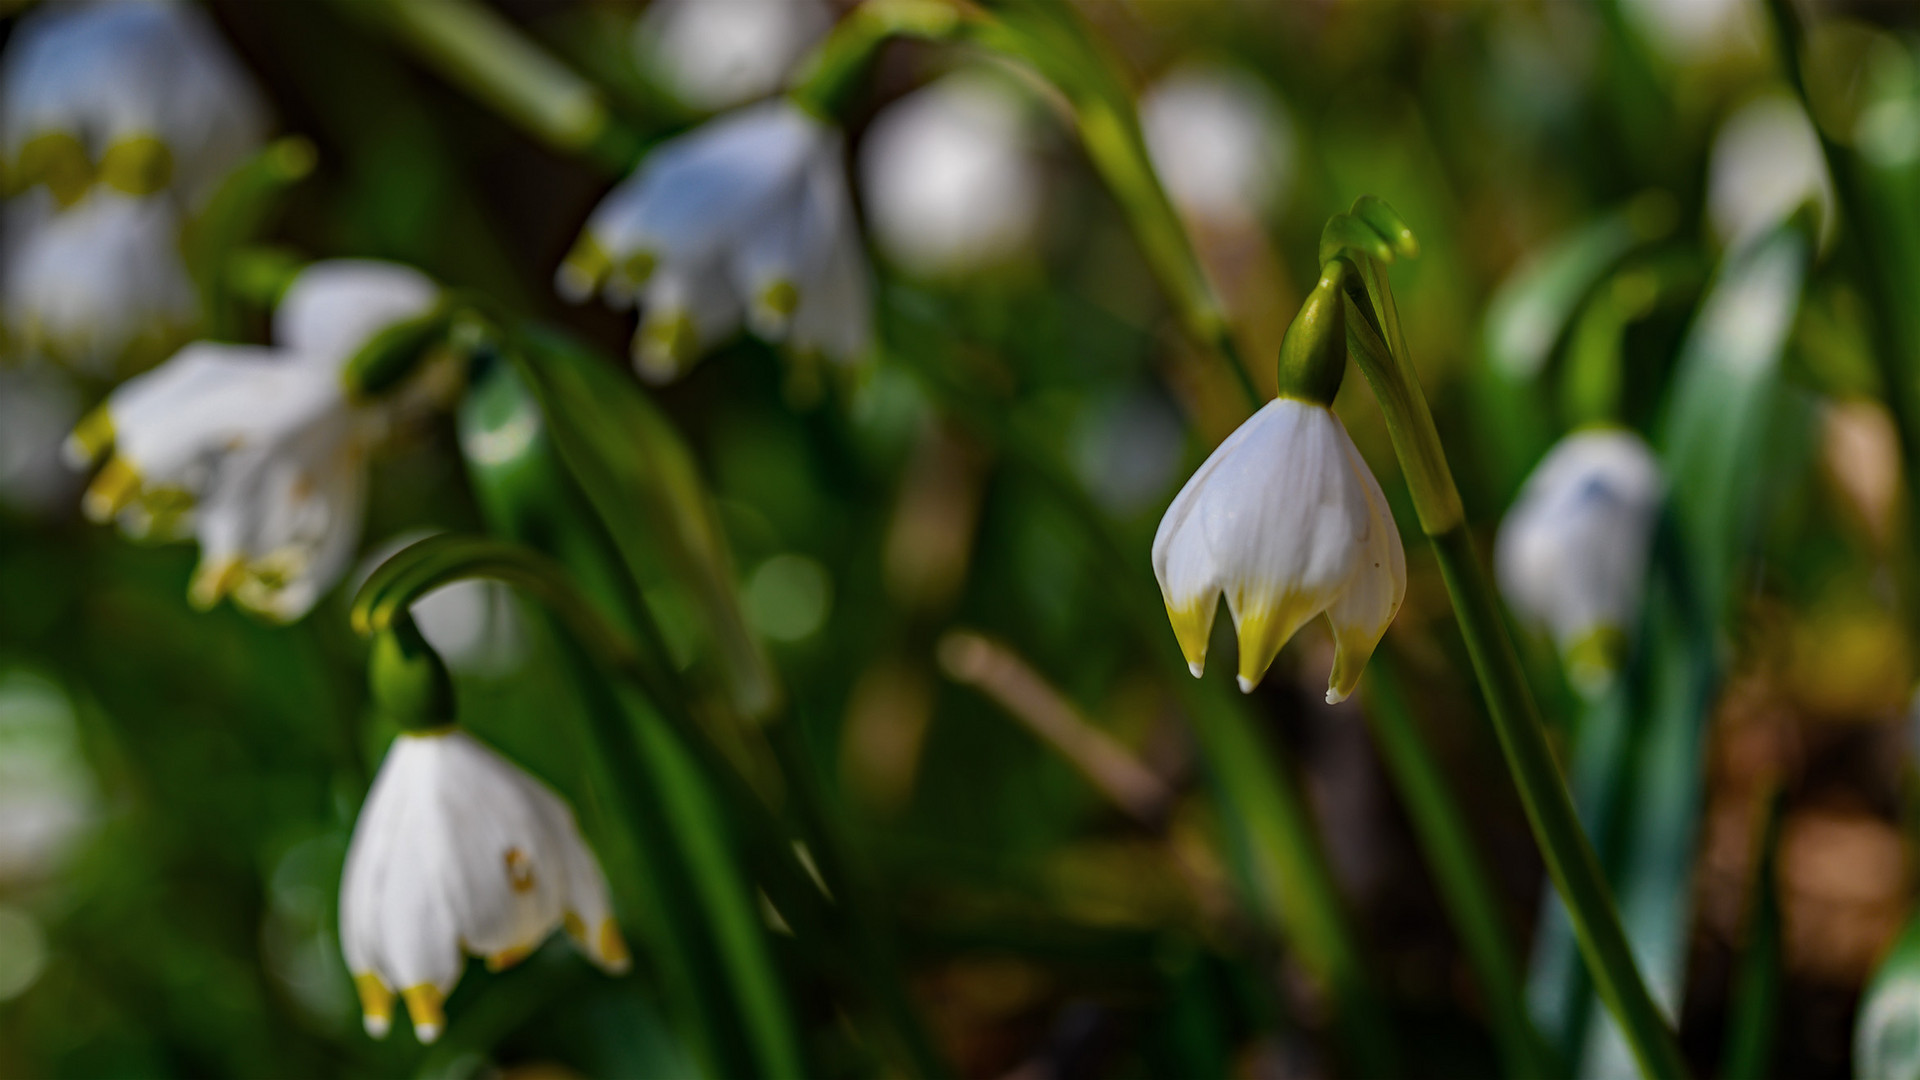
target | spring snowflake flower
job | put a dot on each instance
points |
(93, 283)
(140, 96)
(1572, 552)
(259, 453)
(746, 218)
(1220, 142)
(458, 850)
(715, 56)
(1286, 519)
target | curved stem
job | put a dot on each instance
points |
(1371, 325)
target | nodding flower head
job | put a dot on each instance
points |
(1572, 552)
(140, 97)
(458, 851)
(259, 453)
(1288, 522)
(747, 218)
(97, 286)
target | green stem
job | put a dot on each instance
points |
(1756, 987)
(1461, 875)
(1371, 326)
(487, 56)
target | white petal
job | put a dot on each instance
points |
(1361, 613)
(335, 307)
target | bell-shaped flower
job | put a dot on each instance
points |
(1220, 142)
(457, 851)
(1286, 519)
(259, 453)
(746, 218)
(97, 284)
(715, 56)
(1572, 552)
(140, 96)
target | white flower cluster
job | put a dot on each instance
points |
(116, 119)
(257, 452)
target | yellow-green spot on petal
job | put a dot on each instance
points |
(117, 485)
(781, 298)
(584, 268)
(213, 581)
(425, 1005)
(57, 159)
(508, 957)
(376, 1004)
(665, 344)
(1192, 626)
(92, 437)
(639, 267)
(613, 948)
(1263, 632)
(1351, 651)
(140, 165)
(1594, 659)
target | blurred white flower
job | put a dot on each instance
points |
(1286, 519)
(335, 306)
(715, 54)
(38, 406)
(47, 793)
(1221, 142)
(950, 178)
(257, 452)
(1684, 31)
(85, 285)
(748, 216)
(1572, 552)
(458, 850)
(140, 95)
(1766, 163)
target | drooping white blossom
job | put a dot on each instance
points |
(140, 94)
(715, 55)
(1571, 554)
(259, 453)
(1766, 163)
(1286, 519)
(747, 218)
(459, 851)
(1220, 142)
(87, 284)
(950, 177)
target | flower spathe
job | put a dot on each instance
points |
(1286, 519)
(457, 850)
(1572, 552)
(259, 453)
(747, 218)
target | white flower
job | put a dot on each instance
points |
(1219, 141)
(1686, 31)
(87, 284)
(334, 307)
(714, 55)
(950, 179)
(748, 216)
(257, 452)
(1766, 164)
(1572, 552)
(458, 850)
(141, 95)
(1286, 519)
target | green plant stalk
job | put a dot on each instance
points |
(1569, 857)
(476, 49)
(1459, 872)
(1756, 987)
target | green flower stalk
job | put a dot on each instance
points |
(1366, 239)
